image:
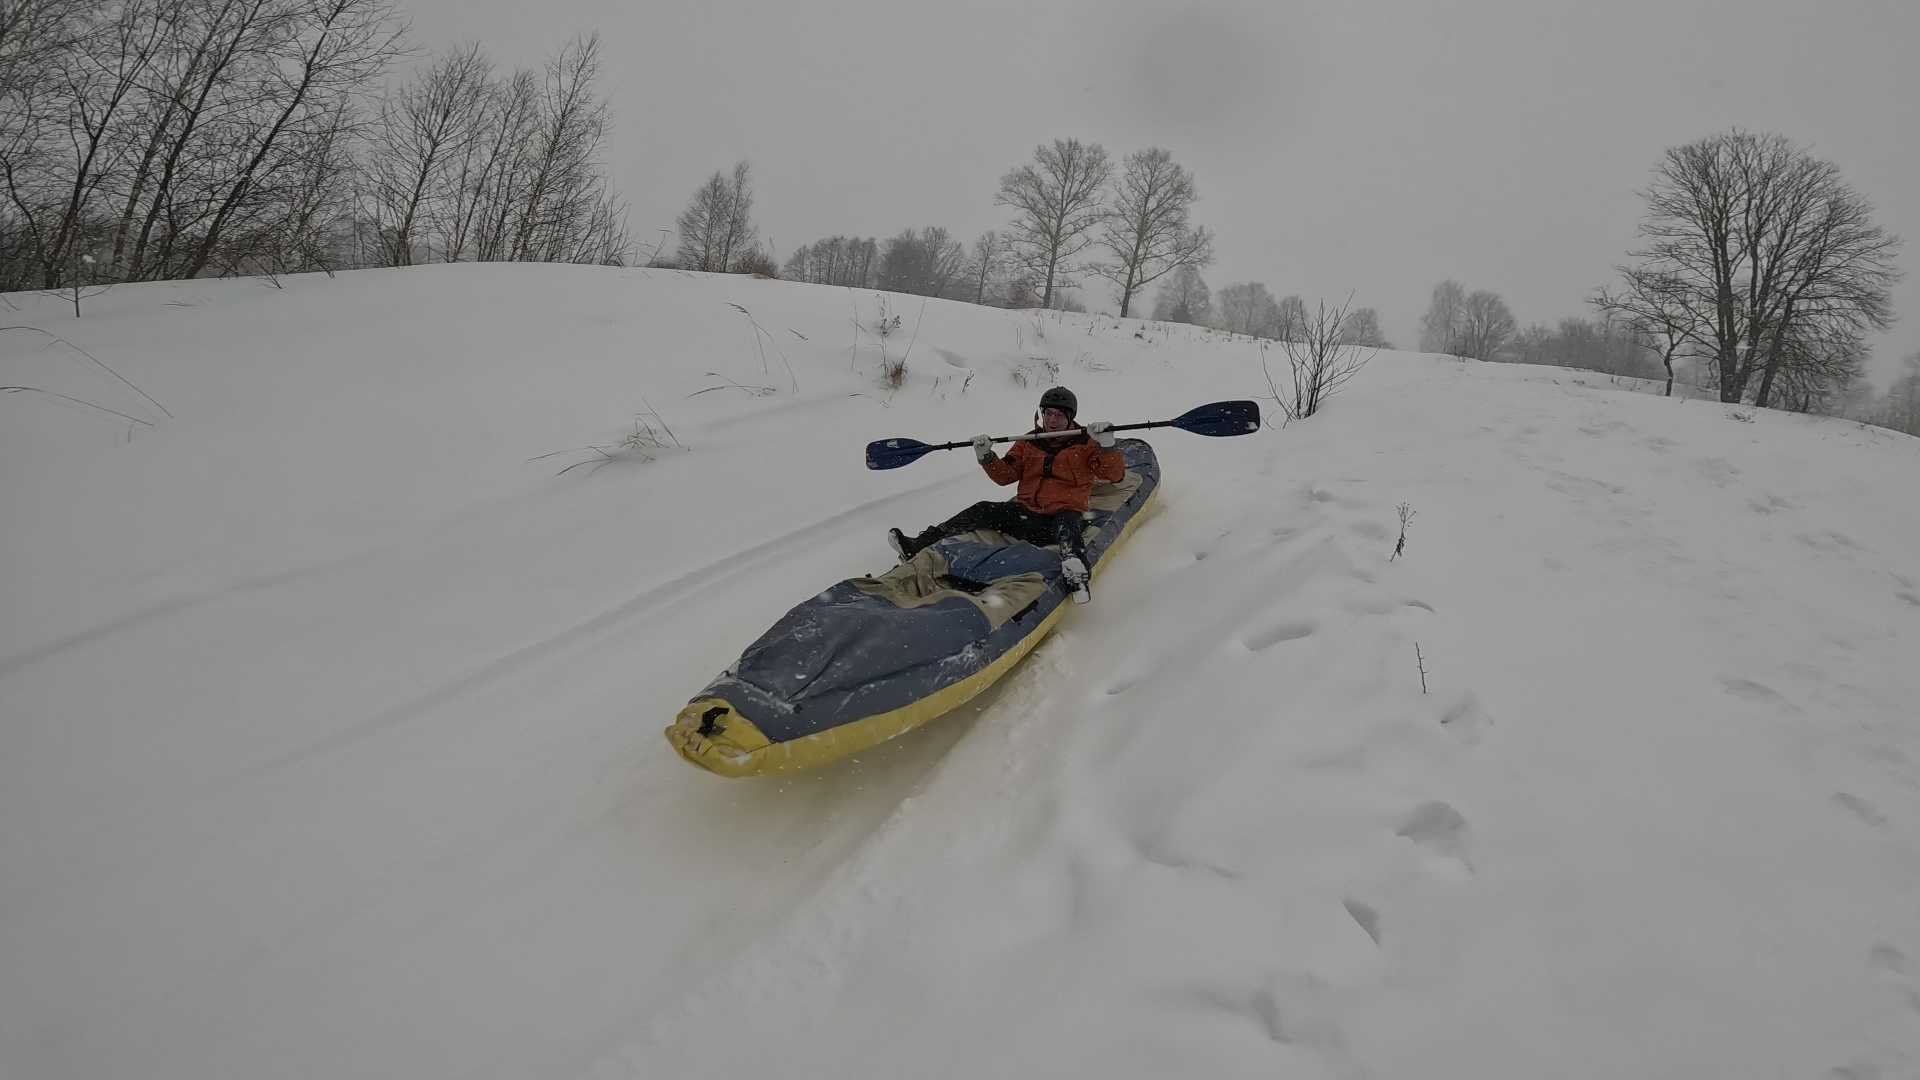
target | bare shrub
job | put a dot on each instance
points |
(1407, 514)
(1036, 371)
(649, 437)
(1320, 361)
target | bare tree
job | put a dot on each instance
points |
(986, 264)
(1820, 361)
(421, 134)
(1184, 298)
(925, 263)
(331, 50)
(1320, 360)
(1362, 327)
(1442, 328)
(568, 213)
(74, 77)
(1486, 326)
(1901, 406)
(1248, 308)
(1058, 205)
(1758, 239)
(1657, 308)
(1149, 224)
(1289, 318)
(717, 232)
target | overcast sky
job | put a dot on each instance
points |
(1371, 146)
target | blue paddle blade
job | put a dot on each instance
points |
(1220, 419)
(893, 453)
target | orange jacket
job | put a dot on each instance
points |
(1056, 474)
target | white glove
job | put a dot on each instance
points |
(983, 449)
(1101, 432)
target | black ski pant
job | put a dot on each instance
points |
(1014, 519)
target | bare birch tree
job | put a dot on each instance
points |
(422, 135)
(986, 264)
(1443, 326)
(1289, 318)
(836, 260)
(717, 233)
(326, 51)
(1058, 205)
(1148, 225)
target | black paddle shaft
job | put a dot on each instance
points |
(1033, 435)
(1220, 419)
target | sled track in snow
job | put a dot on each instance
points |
(684, 585)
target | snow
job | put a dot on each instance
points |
(330, 710)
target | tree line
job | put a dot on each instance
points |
(1077, 215)
(153, 139)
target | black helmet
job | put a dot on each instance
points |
(1059, 397)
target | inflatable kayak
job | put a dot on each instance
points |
(871, 658)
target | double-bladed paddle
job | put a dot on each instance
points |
(1219, 420)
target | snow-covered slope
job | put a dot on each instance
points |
(330, 722)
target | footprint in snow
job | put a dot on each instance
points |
(1438, 830)
(1293, 1010)
(1717, 471)
(1583, 486)
(1370, 530)
(1831, 542)
(1367, 917)
(1771, 504)
(1274, 635)
(1888, 959)
(1892, 965)
(1910, 597)
(1465, 720)
(1861, 809)
(1758, 693)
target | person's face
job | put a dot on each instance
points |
(1053, 420)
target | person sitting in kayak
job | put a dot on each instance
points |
(1055, 475)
